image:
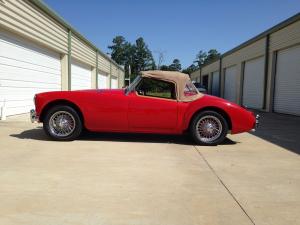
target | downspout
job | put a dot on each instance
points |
(220, 79)
(96, 69)
(267, 47)
(69, 58)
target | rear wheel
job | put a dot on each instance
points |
(62, 123)
(209, 128)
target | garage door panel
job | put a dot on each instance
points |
(21, 92)
(102, 81)
(27, 52)
(230, 83)
(81, 76)
(25, 69)
(7, 63)
(216, 83)
(27, 76)
(114, 83)
(19, 103)
(253, 87)
(287, 82)
(17, 84)
(18, 110)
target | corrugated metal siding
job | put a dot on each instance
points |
(103, 64)
(82, 51)
(26, 19)
(211, 67)
(249, 52)
(285, 37)
(114, 71)
(195, 75)
(121, 78)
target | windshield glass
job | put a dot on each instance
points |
(133, 84)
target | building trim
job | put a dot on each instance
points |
(200, 77)
(69, 58)
(220, 77)
(242, 79)
(273, 81)
(96, 69)
(267, 48)
(50, 12)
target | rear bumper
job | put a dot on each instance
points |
(33, 116)
(257, 117)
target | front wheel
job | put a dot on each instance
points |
(62, 123)
(208, 128)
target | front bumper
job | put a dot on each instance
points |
(33, 117)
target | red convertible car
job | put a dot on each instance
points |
(155, 102)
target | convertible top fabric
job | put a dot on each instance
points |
(180, 79)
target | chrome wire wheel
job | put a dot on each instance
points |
(208, 128)
(62, 124)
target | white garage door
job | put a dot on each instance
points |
(81, 76)
(25, 69)
(114, 83)
(230, 84)
(215, 83)
(253, 88)
(287, 82)
(102, 81)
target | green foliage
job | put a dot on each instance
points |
(192, 68)
(175, 66)
(200, 58)
(137, 57)
(134, 57)
(212, 55)
(206, 57)
(164, 67)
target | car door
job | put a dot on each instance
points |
(153, 106)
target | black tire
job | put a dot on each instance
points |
(78, 123)
(208, 114)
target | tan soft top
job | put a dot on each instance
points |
(180, 79)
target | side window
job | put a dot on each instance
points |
(190, 89)
(156, 88)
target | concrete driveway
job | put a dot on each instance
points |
(112, 179)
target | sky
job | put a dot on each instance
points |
(178, 29)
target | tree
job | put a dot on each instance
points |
(164, 67)
(143, 59)
(200, 58)
(203, 57)
(175, 66)
(136, 56)
(192, 68)
(212, 55)
(118, 49)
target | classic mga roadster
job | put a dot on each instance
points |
(155, 102)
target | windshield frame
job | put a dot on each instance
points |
(132, 86)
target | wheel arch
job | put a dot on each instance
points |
(215, 109)
(60, 102)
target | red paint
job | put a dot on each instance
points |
(113, 111)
